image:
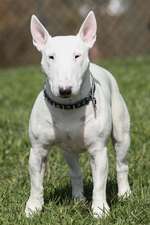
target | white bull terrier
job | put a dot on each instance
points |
(78, 109)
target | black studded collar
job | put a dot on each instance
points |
(76, 105)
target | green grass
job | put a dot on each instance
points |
(18, 90)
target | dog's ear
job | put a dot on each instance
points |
(88, 30)
(39, 34)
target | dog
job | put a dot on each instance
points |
(78, 109)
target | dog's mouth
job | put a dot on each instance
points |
(66, 96)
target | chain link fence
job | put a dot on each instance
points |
(123, 26)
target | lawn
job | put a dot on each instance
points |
(18, 90)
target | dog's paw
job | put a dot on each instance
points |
(78, 196)
(100, 210)
(124, 192)
(33, 206)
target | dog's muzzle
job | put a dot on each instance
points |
(78, 104)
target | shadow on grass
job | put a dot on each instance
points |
(62, 195)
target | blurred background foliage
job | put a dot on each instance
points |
(123, 26)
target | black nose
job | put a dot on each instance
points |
(65, 92)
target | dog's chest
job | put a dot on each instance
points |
(69, 133)
(77, 131)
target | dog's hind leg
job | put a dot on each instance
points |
(121, 141)
(37, 164)
(75, 174)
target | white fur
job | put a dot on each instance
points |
(79, 129)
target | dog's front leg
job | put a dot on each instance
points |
(37, 163)
(75, 174)
(99, 165)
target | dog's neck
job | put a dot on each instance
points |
(84, 90)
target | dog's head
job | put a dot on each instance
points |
(65, 58)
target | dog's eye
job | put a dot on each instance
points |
(77, 56)
(51, 57)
